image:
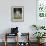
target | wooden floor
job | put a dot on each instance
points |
(13, 44)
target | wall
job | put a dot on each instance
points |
(29, 15)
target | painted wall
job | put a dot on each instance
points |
(29, 15)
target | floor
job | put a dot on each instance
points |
(13, 44)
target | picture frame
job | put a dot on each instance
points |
(17, 13)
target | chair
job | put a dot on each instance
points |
(7, 35)
(26, 37)
(14, 32)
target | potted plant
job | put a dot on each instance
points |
(39, 35)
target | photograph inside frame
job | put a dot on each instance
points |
(17, 13)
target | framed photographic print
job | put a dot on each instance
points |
(17, 13)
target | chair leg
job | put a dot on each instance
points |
(5, 43)
(5, 40)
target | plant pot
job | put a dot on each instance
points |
(40, 41)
